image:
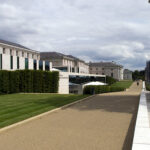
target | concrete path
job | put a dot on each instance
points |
(104, 122)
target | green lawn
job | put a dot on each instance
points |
(17, 107)
(125, 84)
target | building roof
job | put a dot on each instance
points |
(127, 71)
(56, 55)
(104, 64)
(75, 58)
(15, 45)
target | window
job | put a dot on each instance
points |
(26, 63)
(35, 64)
(40, 64)
(4, 51)
(0, 61)
(16, 53)
(112, 74)
(10, 51)
(22, 54)
(27, 55)
(11, 62)
(96, 68)
(102, 68)
(18, 63)
(47, 65)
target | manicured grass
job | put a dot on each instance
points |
(17, 107)
(124, 84)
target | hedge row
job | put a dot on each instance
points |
(101, 89)
(28, 81)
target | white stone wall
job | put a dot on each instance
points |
(63, 83)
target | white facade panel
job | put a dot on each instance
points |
(30, 64)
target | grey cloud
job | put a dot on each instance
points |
(95, 30)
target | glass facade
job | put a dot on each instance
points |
(47, 67)
(35, 64)
(40, 65)
(18, 63)
(0, 61)
(11, 62)
(26, 63)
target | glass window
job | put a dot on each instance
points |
(16, 53)
(4, 51)
(40, 64)
(47, 65)
(112, 74)
(11, 62)
(27, 55)
(0, 61)
(26, 63)
(18, 63)
(35, 64)
(10, 51)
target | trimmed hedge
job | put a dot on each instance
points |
(101, 89)
(28, 81)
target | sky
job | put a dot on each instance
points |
(93, 30)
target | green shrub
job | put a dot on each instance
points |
(101, 89)
(110, 80)
(28, 81)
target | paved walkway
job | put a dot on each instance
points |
(104, 122)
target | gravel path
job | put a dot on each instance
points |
(104, 122)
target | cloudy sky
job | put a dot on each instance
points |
(94, 30)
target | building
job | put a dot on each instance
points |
(147, 72)
(66, 63)
(127, 74)
(106, 68)
(14, 56)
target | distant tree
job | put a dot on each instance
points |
(138, 75)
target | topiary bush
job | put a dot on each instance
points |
(101, 89)
(28, 81)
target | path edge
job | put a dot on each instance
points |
(43, 114)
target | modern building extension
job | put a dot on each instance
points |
(127, 74)
(66, 63)
(17, 57)
(107, 68)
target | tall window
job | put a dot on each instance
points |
(22, 54)
(112, 74)
(35, 64)
(4, 51)
(26, 63)
(0, 61)
(10, 51)
(40, 64)
(16, 53)
(47, 65)
(18, 65)
(28, 55)
(11, 62)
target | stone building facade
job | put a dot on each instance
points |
(127, 74)
(17, 57)
(106, 68)
(66, 63)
